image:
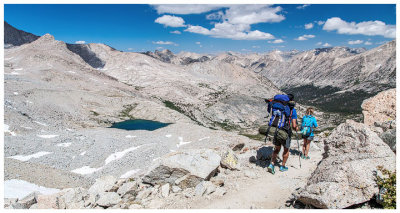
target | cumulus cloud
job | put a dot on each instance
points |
(170, 21)
(253, 14)
(368, 43)
(319, 43)
(165, 43)
(304, 37)
(80, 42)
(198, 42)
(277, 41)
(326, 45)
(355, 42)
(184, 9)
(236, 20)
(301, 7)
(369, 28)
(309, 26)
(231, 31)
(176, 32)
(320, 22)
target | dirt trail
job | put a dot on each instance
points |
(266, 191)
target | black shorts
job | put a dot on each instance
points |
(309, 138)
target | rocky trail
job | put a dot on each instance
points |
(256, 188)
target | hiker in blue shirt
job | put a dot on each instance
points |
(309, 122)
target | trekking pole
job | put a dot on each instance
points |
(298, 147)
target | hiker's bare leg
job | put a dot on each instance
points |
(307, 147)
(285, 155)
(304, 145)
(275, 154)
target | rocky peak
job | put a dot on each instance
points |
(15, 37)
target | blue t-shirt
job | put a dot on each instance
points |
(310, 121)
(294, 114)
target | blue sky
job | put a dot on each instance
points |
(210, 28)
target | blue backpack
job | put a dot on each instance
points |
(279, 111)
(307, 129)
(280, 114)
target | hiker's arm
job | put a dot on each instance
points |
(294, 124)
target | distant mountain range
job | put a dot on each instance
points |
(335, 79)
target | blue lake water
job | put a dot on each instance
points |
(139, 124)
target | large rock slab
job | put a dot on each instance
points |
(196, 164)
(103, 184)
(380, 108)
(345, 175)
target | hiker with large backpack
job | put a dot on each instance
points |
(309, 122)
(281, 109)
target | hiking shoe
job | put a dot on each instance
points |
(283, 168)
(307, 157)
(271, 168)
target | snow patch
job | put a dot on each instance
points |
(181, 142)
(47, 136)
(86, 170)
(156, 159)
(64, 144)
(26, 127)
(130, 136)
(130, 173)
(203, 138)
(119, 155)
(40, 123)
(12, 73)
(18, 69)
(83, 153)
(378, 65)
(28, 157)
(72, 72)
(8, 58)
(6, 130)
(15, 188)
(168, 136)
(29, 102)
(15, 93)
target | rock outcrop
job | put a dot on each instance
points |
(345, 176)
(185, 168)
(15, 37)
(380, 114)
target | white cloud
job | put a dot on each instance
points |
(355, 42)
(186, 8)
(319, 43)
(170, 21)
(368, 43)
(237, 20)
(253, 14)
(326, 45)
(165, 43)
(80, 42)
(198, 42)
(320, 22)
(130, 48)
(301, 7)
(309, 26)
(277, 41)
(231, 31)
(176, 32)
(370, 28)
(304, 37)
(255, 46)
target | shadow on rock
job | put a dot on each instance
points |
(263, 156)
